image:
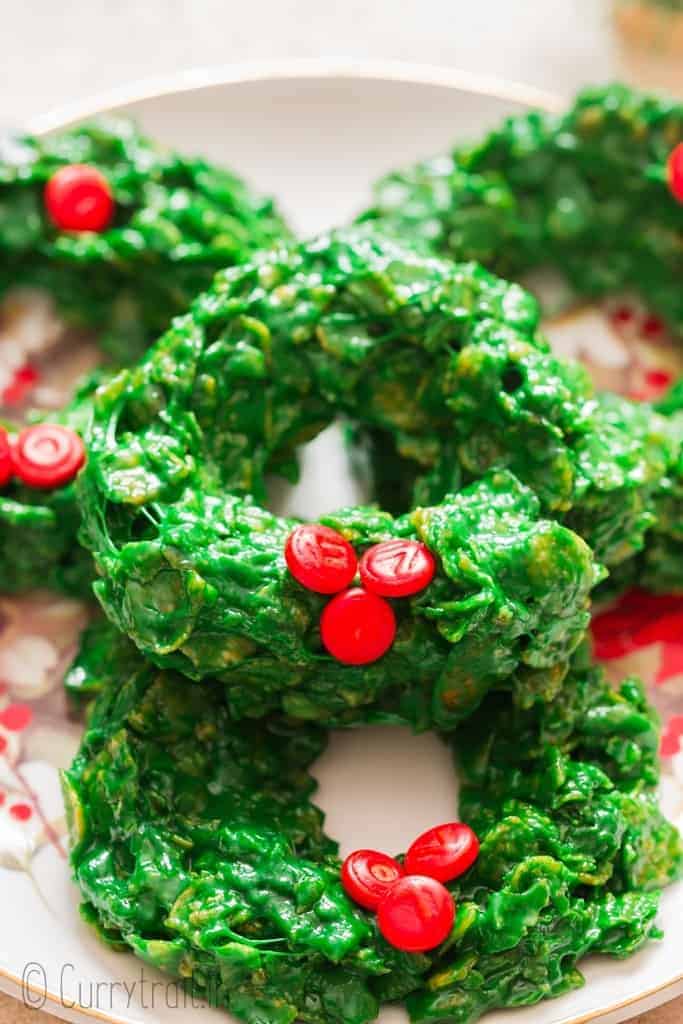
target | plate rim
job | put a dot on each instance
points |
(326, 69)
(50, 998)
(310, 68)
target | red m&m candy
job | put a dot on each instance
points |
(674, 169)
(417, 914)
(78, 198)
(357, 627)
(47, 455)
(320, 558)
(397, 568)
(443, 852)
(6, 468)
(368, 875)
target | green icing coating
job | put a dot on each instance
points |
(178, 220)
(584, 192)
(613, 466)
(195, 844)
(38, 545)
(104, 654)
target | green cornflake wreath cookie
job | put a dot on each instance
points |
(591, 192)
(122, 233)
(195, 844)
(446, 360)
(595, 193)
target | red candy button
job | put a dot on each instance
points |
(47, 455)
(78, 198)
(6, 467)
(443, 852)
(674, 169)
(368, 875)
(397, 568)
(320, 558)
(417, 914)
(357, 627)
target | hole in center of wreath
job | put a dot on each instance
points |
(332, 474)
(381, 786)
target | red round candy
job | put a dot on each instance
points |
(417, 914)
(368, 875)
(78, 198)
(47, 455)
(397, 568)
(674, 169)
(443, 852)
(357, 627)
(6, 467)
(320, 558)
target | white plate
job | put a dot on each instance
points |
(314, 136)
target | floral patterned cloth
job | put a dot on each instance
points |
(38, 639)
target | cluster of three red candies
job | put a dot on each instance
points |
(358, 625)
(415, 910)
